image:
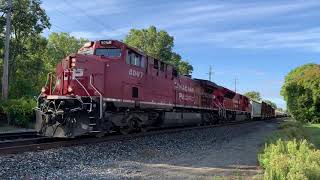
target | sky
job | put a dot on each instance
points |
(252, 43)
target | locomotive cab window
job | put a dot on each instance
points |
(135, 59)
(108, 52)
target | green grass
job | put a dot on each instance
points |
(288, 130)
(313, 131)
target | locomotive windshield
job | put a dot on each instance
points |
(108, 52)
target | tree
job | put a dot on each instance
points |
(30, 74)
(280, 109)
(301, 91)
(28, 21)
(157, 44)
(274, 105)
(254, 95)
(182, 66)
(59, 46)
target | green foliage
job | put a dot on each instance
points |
(59, 46)
(31, 71)
(288, 155)
(301, 91)
(280, 109)
(290, 160)
(40, 57)
(274, 105)
(254, 95)
(20, 111)
(26, 46)
(157, 44)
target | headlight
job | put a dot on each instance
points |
(43, 89)
(70, 89)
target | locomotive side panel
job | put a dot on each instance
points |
(186, 93)
(159, 84)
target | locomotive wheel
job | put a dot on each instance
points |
(133, 126)
(125, 130)
(144, 129)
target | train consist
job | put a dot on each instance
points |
(108, 86)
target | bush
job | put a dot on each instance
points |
(288, 131)
(302, 94)
(288, 155)
(20, 111)
(291, 160)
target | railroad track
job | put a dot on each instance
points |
(17, 135)
(43, 143)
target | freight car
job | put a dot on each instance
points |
(280, 114)
(108, 86)
(262, 110)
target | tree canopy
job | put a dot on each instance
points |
(60, 45)
(158, 44)
(28, 22)
(274, 105)
(301, 91)
(32, 56)
(254, 95)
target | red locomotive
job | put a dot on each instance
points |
(109, 86)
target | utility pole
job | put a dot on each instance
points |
(210, 72)
(235, 84)
(5, 77)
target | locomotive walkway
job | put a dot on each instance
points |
(193, 154)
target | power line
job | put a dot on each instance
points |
(58, 27)
(97, 21)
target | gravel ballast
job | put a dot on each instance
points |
(192, 154)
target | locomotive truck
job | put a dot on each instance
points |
(108, 86)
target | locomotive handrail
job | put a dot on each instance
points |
(101, 108)
(44, 86)
(85, 91)
(221, 107)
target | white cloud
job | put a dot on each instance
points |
(227, 12)
(196, 22)
(85, 8)
(307, 39)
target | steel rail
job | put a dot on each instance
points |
(50, 143)
(17, 135)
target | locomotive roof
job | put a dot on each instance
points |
(139, 51)
(208, 83)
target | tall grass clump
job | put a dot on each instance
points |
(292, 160)
(288, 154)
